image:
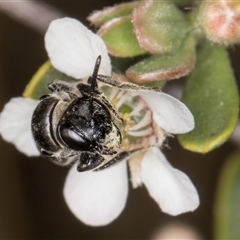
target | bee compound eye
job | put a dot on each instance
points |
(73, 139)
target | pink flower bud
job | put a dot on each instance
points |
(220, 20)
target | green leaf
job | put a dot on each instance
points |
(98, 18)
(227, 211)
(38, 85)
(120, 38)
(159, 25)
(211, 95)
(188, 4)
(167, 66)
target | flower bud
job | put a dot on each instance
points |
(220, 21)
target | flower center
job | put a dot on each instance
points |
(138, 124)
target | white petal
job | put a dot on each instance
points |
(134, 164)
(168, 112)
(73, 49)
(15, 124)
(170, 188)
(97, 198)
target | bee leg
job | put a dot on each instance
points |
(122, 156)
(114, 112)
(122, 83)
(63, 88)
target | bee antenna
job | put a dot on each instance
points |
(93, 80)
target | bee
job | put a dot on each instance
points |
(77, 123)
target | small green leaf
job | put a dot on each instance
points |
(211, 95)
(227, 211)
(98, 18)
(38, 85)
(159, 25)
(167, 66)
(120, 39)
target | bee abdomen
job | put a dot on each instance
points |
(42, 127)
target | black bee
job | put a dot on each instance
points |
(76, 122)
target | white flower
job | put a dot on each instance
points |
(97, 198)
(15, 124)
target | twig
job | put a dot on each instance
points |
(235, 138)
(34, 14)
